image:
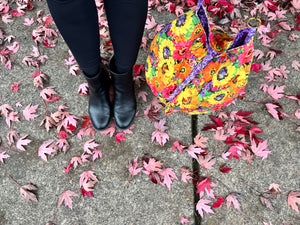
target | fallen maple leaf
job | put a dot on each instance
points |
(293, 198)
(276, 92)
(261, 149)
(185, 174)
(3, 155)
(29, 111)
(22, 141)
(151, 166)
(184, 220)
(26, 192)
(179, 146)
(66, 196)
(87, 176)
(218, 203)
(119, 137)
(133, 170)
(198, 140)
(201, 205)
(46, 148)
(193, 150)
(168, 175)
(224, 169)
(90, 145)
(232, 198)
(207, 161)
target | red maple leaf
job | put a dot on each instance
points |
(224, 169)
(218, 203)
(119, 137)
(86, 193)
(179, 146)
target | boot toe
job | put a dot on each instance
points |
(124, 119)
(100, 119)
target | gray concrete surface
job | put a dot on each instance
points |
(141, 201)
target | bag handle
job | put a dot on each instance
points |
(204, 23)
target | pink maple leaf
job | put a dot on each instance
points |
(151, 166)
(198, 140)
(4, 109)
(21, 142)
(110, 130)
(12, 136)
(276, 92)
(150, 23)
(207, 161)
(28, 22)
(3, 155)
(90, 145)
(184, 220)
(143, 95)
(201, 205)
(160, 137)
(185, 174)
(272, 109)
(296, 65)
(12, 116)
(293, 198)
(83, 89)
(29, 111)
(133, 170)
(232, 198)
(75, 161)
(87, 176)
(193, 150)
(261, 149)
(66, 197)
(97, 154)
(47, 94)
(46, 148)
(168, 175)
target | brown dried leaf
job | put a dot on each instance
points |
(26, 193)
(266, 198)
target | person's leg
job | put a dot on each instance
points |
(77, 21)
(126, 21)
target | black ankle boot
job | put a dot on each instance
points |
(124, 106)
(99, 104)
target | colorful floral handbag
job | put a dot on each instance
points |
(195, 70)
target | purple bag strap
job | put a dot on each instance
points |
(204, 23)
(243, 37)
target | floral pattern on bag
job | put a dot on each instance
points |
(175, 51)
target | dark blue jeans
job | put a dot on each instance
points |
(77, 21)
